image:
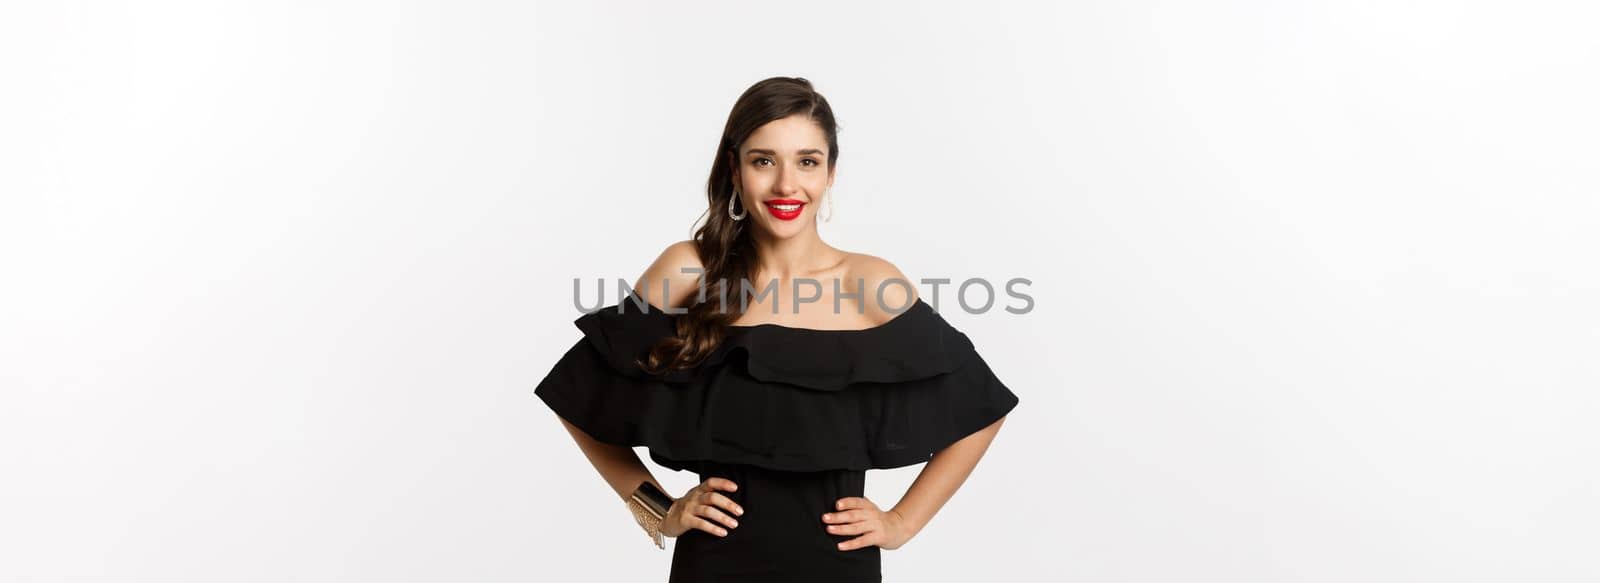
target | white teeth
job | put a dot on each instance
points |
(786, 207)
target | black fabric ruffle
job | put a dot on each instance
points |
(783, 398)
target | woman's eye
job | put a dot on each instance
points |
(758, 161)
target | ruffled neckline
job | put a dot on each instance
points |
(915, 344)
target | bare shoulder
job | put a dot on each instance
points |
(886, 291)
(673, 278)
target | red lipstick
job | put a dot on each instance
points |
(785, 214)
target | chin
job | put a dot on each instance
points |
(787, 229)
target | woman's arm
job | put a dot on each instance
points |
(619, 465)
(948, 468)
(940, 479)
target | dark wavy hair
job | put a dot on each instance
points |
(724, 245)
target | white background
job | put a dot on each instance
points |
(1315, 282)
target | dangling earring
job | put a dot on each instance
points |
(828, 195)
(736, 217)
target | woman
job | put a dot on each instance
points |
(830, 366)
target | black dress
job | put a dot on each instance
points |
(794, 416)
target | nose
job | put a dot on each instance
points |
(788, 181)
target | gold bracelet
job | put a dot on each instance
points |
(649, 506)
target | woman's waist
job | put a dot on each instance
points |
(785, 498)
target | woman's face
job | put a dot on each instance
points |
(782, 174)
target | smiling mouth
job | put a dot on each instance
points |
(784, 209)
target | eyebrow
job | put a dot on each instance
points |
(798, 153)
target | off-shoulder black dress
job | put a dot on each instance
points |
(794, 416)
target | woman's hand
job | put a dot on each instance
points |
(700, 506)
(856, 515)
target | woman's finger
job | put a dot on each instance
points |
(853, 502)
(721, 501)
(714, 513)
(702, 524)
(852, 528)
(865, 540)
(716, 483)
(843, 517)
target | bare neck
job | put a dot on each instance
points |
(798, 256)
